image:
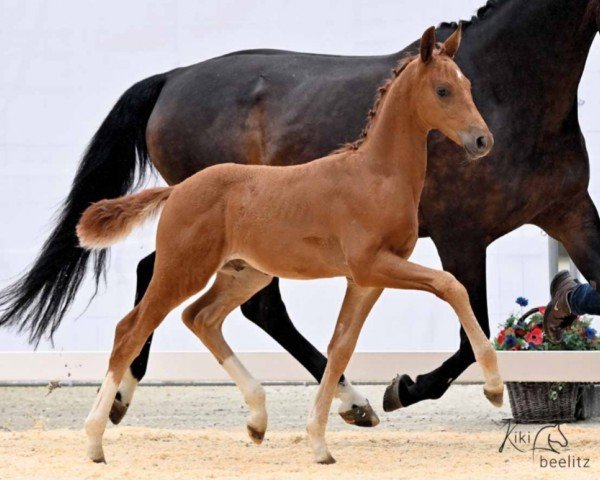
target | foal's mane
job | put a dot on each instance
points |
(482, 12)
(381, 91)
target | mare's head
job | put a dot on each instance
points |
(443, 95)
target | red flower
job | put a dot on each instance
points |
(501, 337)
(535, 336)
(542, 310)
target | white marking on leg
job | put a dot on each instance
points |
(95, 423)
(127, 387)
(252, 390)
(349, 396)
(316, 437)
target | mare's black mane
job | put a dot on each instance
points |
(480, 15)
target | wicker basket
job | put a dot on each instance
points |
(530, 402)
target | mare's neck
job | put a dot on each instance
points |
(396, 143)
(530, 56)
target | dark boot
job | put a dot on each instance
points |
(558, 313)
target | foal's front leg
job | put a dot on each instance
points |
(357, 305)
(467, 263)
(387, 270)
(266, 309)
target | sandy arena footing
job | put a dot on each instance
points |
(199, 432)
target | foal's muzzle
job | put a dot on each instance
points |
(477, 142)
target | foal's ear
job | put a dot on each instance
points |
(450, 46)
(427, 44)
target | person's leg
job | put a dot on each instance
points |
(584, 299)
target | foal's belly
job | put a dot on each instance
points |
(306, 258)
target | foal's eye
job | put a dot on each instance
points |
(442, 92)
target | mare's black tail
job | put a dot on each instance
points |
(117, 154)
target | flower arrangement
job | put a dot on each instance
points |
(543, 402)
(525, 332)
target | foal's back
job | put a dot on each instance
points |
(260, 213)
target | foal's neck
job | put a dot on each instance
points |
(396, 143)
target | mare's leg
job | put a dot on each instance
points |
(577, 226)
(137, 369)
(267, 310)
(389, 270)
(205, 318)
(355, 309)
(467, 264)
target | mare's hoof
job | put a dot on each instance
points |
(117, 411)
(255, 435)
(99, 460)
(361, 416)
(328, 460)
(391, 398)
(494, 394)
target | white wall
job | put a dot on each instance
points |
(65, 63)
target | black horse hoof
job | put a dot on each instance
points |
(361, 416)
(117, 411)
(391, 398)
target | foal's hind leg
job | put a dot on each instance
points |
(137, 369)
(232, 287)
(130, 335)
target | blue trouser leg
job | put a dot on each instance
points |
(585, 299)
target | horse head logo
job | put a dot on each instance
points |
(550, 439)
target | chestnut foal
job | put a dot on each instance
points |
(351, 214)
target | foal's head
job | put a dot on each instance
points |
(443, 95)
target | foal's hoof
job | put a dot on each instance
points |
(117, 411)
(327, 460)
(361, 416)
(494, 394)
(96, 454)
(255, 435)
(391, 397)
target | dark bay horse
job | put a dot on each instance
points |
(525, 59)
(352, 214)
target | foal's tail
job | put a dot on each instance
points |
(107, 222)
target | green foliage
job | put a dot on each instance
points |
(528, 335)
